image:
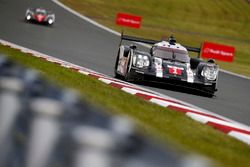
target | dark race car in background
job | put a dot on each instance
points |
(39, 15)
(166, 62)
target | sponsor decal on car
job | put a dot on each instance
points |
(175, 70)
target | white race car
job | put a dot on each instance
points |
(166, 62)
(39, 15)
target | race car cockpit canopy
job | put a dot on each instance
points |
(165, 49)
(171, 54)
(41, 11)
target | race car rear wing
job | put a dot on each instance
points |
(152, 42)
(136, 39)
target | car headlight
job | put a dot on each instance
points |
(28, 17)
(50, 21)
(210, 72)
(140, 61)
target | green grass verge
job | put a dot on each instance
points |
(192, 22)
(169, 126)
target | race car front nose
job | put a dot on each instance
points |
(40, 18)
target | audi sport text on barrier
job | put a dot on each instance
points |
(165, 62)
(39, 15)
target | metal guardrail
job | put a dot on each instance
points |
(42, 125)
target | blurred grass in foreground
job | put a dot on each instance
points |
(192, 22)
(169, 126)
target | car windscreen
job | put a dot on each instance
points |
(171, 54)
(40, 12)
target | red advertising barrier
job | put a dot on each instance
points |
(218, 51)
(124, 19)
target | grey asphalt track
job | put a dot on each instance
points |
(75, 40)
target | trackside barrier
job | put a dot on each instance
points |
(232, 128)
(42, 125)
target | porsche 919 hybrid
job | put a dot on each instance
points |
(165, 62)
(39, 15)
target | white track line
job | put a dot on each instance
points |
(85, 18)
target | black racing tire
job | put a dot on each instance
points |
(126, 51)
(49, 25)
(210, 90)
(26, 21)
